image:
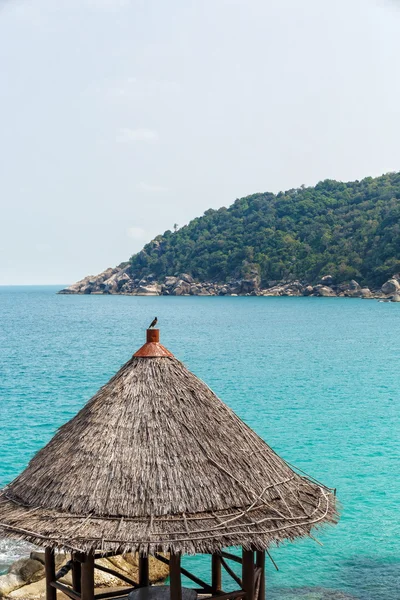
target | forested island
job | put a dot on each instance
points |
(331, 235)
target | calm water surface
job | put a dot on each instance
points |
(317, 378)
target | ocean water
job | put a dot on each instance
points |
(317, 378)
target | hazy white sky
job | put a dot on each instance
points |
(119, 118)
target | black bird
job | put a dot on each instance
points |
(153, 323)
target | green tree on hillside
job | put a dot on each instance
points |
(349, 230)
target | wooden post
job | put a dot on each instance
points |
(216, 574)
(143, 571)
(87, 579)
(76, 574)
(50, 568)
(175, 576)
(248, 573)
(260, 562)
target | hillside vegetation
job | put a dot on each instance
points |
(349, 230)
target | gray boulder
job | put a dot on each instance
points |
(353, 293)
(391, 286)
(294, 288)
(181, 288)
(10, 582)
(122, 279)
(91, 283)
(365, 293)
(21, 572)
(354, 286)
(127, 288)
(186, 277)
(327, 280)
(149, 290)
(39, 555)
(31, 570)
(113, 284)
(296, 285)
(343, 287)
(274, 291)
(233, 287)
(170, 281)
(249, 285)
(325, 291)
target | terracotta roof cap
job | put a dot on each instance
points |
(152, 348)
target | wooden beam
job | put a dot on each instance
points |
(64, 570)
(233, 557)
(79, 556)
(216, 573)
(248, 573)
(50, 569)
(120, 576)
(65, 590)
(143, 571)
(108, 554)
(175, 577)
(76, 575)
(260, 562)
(87, 580)
(231, 572)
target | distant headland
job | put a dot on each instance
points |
(333, 239)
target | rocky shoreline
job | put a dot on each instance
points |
(25, 579)
(119, 280)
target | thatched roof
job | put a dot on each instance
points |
(156, 462)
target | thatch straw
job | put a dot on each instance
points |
(156, 462)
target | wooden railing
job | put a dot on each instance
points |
(251, 584)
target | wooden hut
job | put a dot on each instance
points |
(156, 464)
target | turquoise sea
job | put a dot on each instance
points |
(317, 378)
